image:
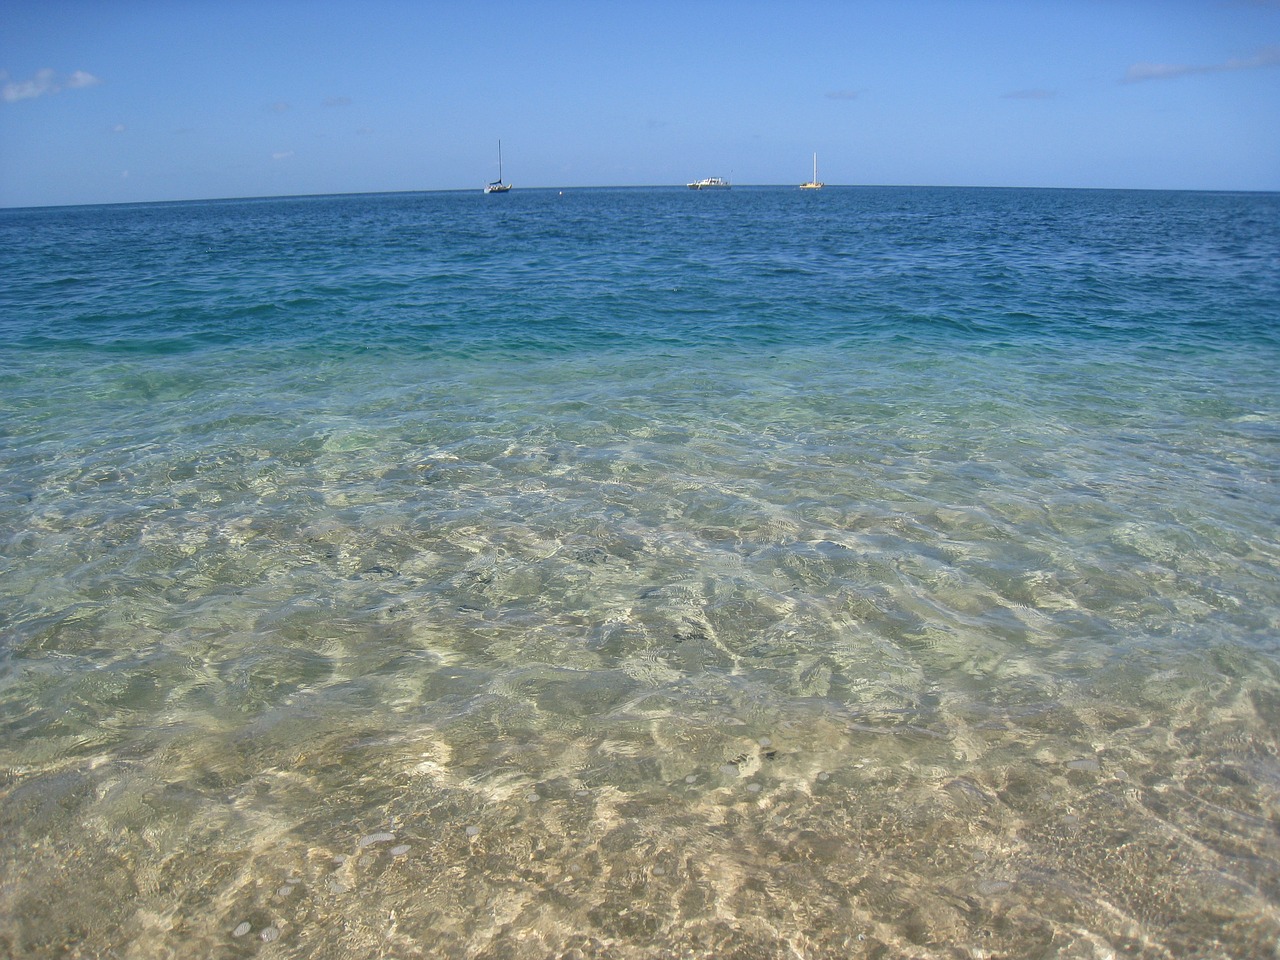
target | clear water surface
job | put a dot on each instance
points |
(642, 574)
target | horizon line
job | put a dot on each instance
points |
(636, 186)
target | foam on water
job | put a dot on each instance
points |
(740, 577)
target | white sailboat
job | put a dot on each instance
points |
(497, 186)
(815, 183)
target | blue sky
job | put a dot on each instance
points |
(132, 100)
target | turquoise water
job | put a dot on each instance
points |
(642, 573)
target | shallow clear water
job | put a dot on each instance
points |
(642, 573)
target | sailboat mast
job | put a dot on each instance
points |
(500, 161)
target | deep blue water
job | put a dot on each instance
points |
(642, 573)
(752, 269)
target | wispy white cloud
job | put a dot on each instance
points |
(80, 79)
(842, 95)
(282, 155)
(46, 82)
(1030, 95)
(1266, 57)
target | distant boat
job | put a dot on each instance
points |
(710, 183)
(815, 183)
(497, 186)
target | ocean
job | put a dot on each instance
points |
(642, 573)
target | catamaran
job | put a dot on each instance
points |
(497, 186)
(815, 183)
